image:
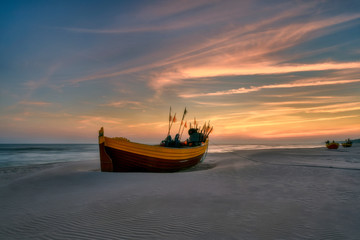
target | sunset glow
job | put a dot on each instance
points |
(258, 70)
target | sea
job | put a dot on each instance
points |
(14, 155)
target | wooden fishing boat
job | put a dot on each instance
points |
(332, 145)
(121, 155)
(347, 144)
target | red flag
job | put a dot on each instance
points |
(174, 119)
(185, 111)
(185, 125)
(170, 118)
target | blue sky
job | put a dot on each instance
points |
(258, 70)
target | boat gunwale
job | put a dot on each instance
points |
(156, 151)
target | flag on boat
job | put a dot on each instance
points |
(170, 117)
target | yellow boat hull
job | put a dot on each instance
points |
(119, 155)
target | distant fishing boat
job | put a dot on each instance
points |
(347, 143)
(121, 155)
(332, 145)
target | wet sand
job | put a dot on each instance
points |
(262, 194)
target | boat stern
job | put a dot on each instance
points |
(105, 161)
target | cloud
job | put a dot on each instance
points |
(152, 125)
(35, 84)
(262, 69)
(335, 108)
(249, 50)
(313, 133)
(190, 50)
(35, 103)
(286, 122)
(150, 28)
(128, 104)
(168, 9)
(296, 84)
(85, 121)
(308, 100)
(230, 49)
(215, 104)
(168, 16)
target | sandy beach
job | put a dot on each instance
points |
(249, 194)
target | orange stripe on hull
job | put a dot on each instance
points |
(332, 146)
(115, 160)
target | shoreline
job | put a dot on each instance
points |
(9, 173)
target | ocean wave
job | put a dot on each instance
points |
(29, 154)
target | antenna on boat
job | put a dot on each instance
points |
(170, 118)
(185, 126)
(171, 121)
(182, 120)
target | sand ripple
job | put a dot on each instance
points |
(230, 198)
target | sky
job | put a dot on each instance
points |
(259, 71)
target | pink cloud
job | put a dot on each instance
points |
(274, 86)
(262, 69)
(245, 51)
(127, 104)
(35, 103)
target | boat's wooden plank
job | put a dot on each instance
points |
(156, 151)
(127, 161)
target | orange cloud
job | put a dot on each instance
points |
(296, 134)
(285, 126)
(245, 51)
(266, 69)
(274, 86)
(129, 104)
(335, 108)
(35, 103)
(230, 52)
